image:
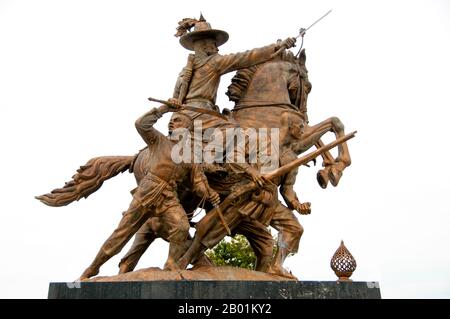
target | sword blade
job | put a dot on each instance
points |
(302, 31)
(318, 20)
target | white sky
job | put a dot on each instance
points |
(75, 75)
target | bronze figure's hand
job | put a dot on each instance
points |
(163, 109)
(173, 100)
(255, 176)
(171, 106)
(303, 208)
(214, 197)
(288, 43)
(174, 105)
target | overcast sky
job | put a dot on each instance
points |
(75, 75)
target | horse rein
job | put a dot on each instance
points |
(285, 106)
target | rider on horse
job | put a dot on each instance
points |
(198, 83)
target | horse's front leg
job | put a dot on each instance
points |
(312, 136)
(333, 168)
(328, 161)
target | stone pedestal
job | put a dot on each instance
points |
(215, 290)
(210, 283)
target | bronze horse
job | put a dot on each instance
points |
(264, 92)
(270, 95)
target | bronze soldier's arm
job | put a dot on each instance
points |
(240, 165)
(144, 125)
(201, 186)
(176, 91)
(289, 194)
(287, 189)
(235, 61)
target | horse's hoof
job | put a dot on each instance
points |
(335, 175)
(322, 178)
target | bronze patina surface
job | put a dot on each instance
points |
(270, 91)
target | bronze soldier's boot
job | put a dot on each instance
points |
(202, 261)
(195, 250)
(94, 267)
(277, 265)
(175, 252)
(263, 263)
(141, 242)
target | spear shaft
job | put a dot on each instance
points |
(308, 157)
(189, 108)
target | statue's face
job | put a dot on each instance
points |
(179, 121)
(297, 129)
(206, 46)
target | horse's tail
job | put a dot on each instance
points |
(88, 179)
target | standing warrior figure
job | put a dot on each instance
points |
(156, 195)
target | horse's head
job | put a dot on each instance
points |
(282, 81)
(301, 62)
(304, 87)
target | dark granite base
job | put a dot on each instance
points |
(215, 290)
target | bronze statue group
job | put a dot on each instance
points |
(270, 92)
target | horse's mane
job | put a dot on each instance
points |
(240, 82)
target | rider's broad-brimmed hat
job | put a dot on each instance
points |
(203, 30)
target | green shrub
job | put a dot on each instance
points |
(235, 252)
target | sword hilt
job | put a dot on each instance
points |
(301, 33)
